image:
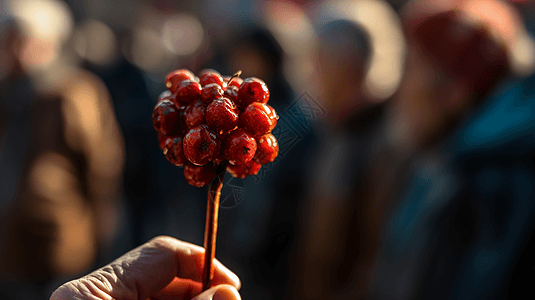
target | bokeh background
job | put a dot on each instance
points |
(406, 168)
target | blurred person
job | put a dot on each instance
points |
(163, 268)
(314, 188)
(336, 161)
(61, 156)
(421, 192)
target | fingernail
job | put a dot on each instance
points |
(226, 293)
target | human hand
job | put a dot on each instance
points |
(163, 268)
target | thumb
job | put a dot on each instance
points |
(220, 292)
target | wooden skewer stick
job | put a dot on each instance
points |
(210, 230)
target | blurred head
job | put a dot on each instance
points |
(43, 26)
(477, 41)
(257, 53)
(343, 58)
(383, 26)
(458, 51)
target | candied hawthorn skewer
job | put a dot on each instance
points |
(211, 125)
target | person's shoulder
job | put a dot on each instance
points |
(503, 127)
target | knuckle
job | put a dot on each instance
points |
(106, 278)
(110, 281)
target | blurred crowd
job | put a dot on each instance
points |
(407, 162)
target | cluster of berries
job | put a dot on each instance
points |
(211, 122)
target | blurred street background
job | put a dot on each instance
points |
(407, 135)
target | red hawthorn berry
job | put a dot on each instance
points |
(258, 118)
(210, 92)
(239, 147)
(188, 91)
(199, 176)
(267, 149)
(241, 171)
(174, 151)
(212, 77)
(165, 117)
(201, 145)
(222, 114)
(173, 79)
(252, 90)
(194, 114)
